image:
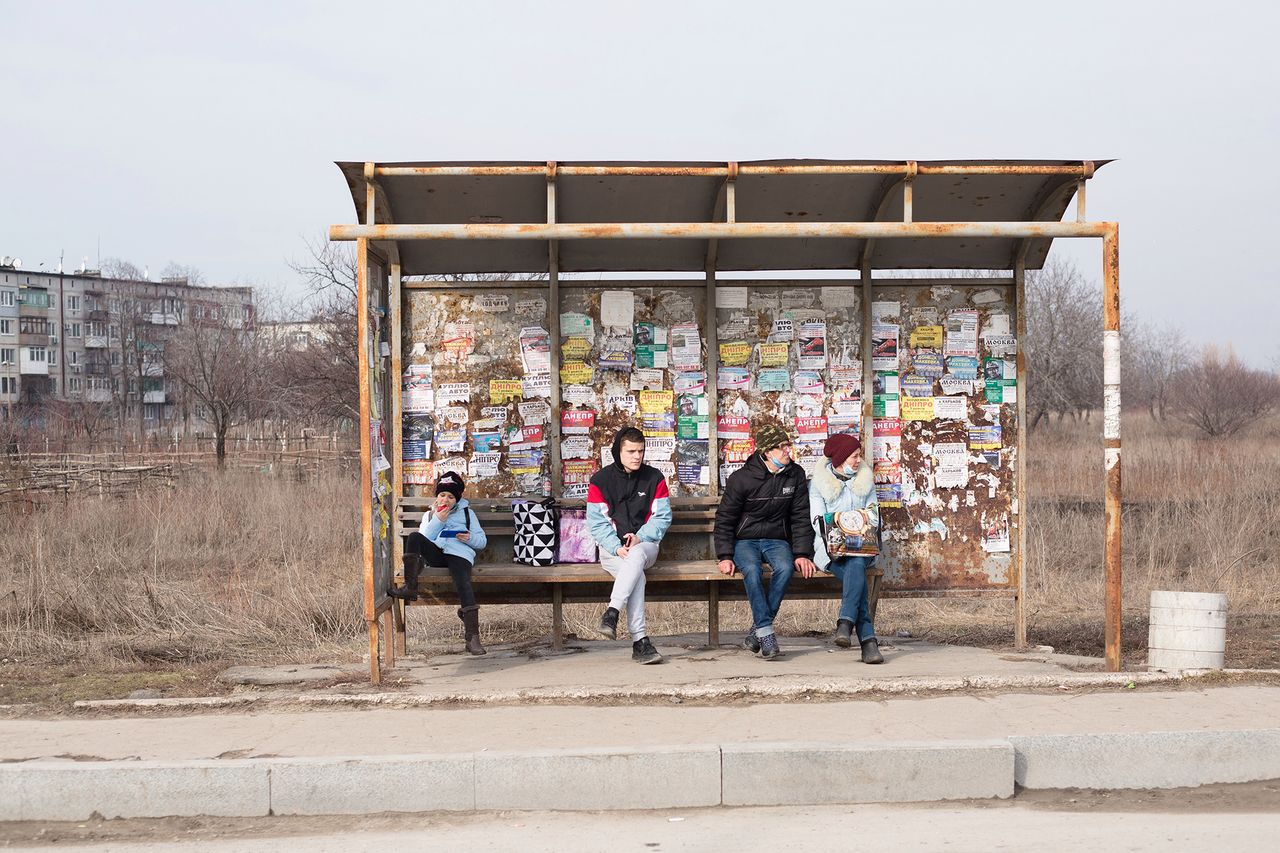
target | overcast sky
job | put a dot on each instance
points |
(205, 133)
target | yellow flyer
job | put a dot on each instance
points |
(575, 349)
(926, 336)
(735, 353)
(502, 390)
(576, 373)
(656, 402)
(774, 355)
(917, 408)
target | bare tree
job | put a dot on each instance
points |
(221, 363)
(1155, 355)
(1064, 342)
(186, 272)
(121, 269)
(1219, 395)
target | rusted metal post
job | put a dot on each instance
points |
(557, 617)
(395, 316)
(1020, 449)
(713, 614)
(364, 354)
(553, 328)
(1111, 436)
(868, 375)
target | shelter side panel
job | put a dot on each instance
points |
(380, 444)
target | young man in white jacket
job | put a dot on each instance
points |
(845, 484)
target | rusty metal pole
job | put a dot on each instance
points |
(553, 329)
(1020, 471)
(1111, 436)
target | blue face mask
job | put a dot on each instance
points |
(848, 471)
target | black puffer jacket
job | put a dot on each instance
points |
(760, 505)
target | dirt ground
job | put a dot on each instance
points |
(51, 688)
(1252, 797)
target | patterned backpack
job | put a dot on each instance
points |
(536, 532)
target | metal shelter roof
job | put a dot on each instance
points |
(764, 191)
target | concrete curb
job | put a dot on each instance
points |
(777, 688)
(608, 779)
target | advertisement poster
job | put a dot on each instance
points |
(733, 379)
(774, 355)
(654, 402)
(651, 345)
(985, 438)
(617, 308)
(647, 379)
(735, 353)
(962, 333)
(917, 408)
(504, 390)
(685, 346)
(690, 382)
(813, 345)
(773, 379)
(884, 346)
(728, 426)
(577, 421)
(535, 349)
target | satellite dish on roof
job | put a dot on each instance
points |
(17, 262)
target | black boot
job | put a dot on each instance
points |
(871, 651)
(608, 629)
(470, 617)
(412, 568)
(844, 633)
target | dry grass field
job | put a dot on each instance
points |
(161, 589)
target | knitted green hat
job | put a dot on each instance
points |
(769, 436)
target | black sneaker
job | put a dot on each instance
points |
(609, 624)
(769, 647)
(871, 651)
(642, 651)
(751, 642)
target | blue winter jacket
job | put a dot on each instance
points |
(433, 528)
(829, 493)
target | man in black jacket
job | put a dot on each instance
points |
(764, 515)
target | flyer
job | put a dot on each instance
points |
(917, 408)
(456, 464)
(577, 471)
(1001, 346)
(654, 402)
(813, 345)
(809, 429)
(847, 400)
(504, 390)
(686, 346)
(575, 349)
(950, 465)
(995, 532)
(659, 424)
(525, 460)
(495, 414)
(952, 385)
(578, 395)
(576, 373)
(535, 307)
(415, 450)
(577, 447)
(916, 386)
(884, 346)
(1001, 391)
(454, 392)
(692, 427)
(576, 421)
(456, 415)
(493, 303)
(737, 449)
(773, 379)
(417, 426)
(616, 356)
(537, 385)
(536, 412)
(961, 333)
(846, 377)
(885, 406)
(417, 392)
(951, 408)
(459, 338)
(484, 464)
(734, 328)
(928, 363)
(985, 438)
(848, 423)
(621, 403)
(963, 367)
(658, 447)
(666, 469)
(574, 492)
(808, 382)
(451, 440)
(728, 426)
(733, 379)
(783, 331)
(486, 442)
(651, 345)
(691, 405)
(926, 336)
(418, 472)
(798, 298)
(691, 382)
(735, 353)
(838, 297)
(693, 474)
(647, 378)
(889, 495)
(617, 308)
(575, 325)
(881, 311)
(731, 297)
(774, 355)
(532, 434)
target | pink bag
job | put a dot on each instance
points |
(576, 544)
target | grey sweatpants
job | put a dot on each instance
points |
(628, 583)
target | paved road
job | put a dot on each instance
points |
(977, 827)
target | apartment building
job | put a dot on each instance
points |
(81, 337)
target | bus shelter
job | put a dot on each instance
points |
(500, 336)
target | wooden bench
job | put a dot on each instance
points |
(685, 571)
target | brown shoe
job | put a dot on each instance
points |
(470, 617)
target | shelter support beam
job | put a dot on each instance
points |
(715, 230)
(902, 168)
(1111, 438)
(553, 327)
(1020, 472)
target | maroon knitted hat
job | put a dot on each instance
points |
(840, 446)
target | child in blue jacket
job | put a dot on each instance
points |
(449, 537)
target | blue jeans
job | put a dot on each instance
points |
(852, 572)
(748, 555)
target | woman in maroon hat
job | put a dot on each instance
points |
(846, 519)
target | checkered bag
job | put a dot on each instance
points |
(537, 533)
